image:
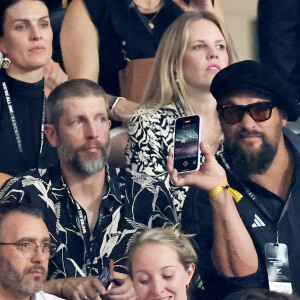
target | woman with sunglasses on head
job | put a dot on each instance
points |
(179, 86)
(27, 75)
(161, 264)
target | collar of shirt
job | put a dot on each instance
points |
(115, 188)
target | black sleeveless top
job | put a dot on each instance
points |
(27, 102)
(118, 22)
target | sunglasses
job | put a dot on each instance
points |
(259, 112)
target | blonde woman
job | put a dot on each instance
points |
(161, 264)
(99, 37)
(193, 49)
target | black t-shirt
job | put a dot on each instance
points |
(117, 22)
(263, 215)
(27, 103)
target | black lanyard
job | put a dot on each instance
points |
(15, 125)
(179, 107)
(246, 190)
(84, 227)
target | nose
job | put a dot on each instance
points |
(35, 33)
(91, 130)
(157, 286)
(247, 121)
(212, 53)
(39, 255)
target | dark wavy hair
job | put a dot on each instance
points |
(4, 5)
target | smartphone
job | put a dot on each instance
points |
(106, 276)
(187, 138)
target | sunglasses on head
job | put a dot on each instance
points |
(259, 112)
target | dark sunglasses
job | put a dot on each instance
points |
(259, 112)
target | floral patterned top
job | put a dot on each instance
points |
(149, 140)
(132, 204)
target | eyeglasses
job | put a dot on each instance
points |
(259, 112)
(29, 248)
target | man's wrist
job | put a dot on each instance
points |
(112, 104)
(62, 287)
(234, 193)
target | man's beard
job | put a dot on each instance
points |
(246, 163)
(71, 157)
(16, 283)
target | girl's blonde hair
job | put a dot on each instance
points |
(164, 83)
(168, 236)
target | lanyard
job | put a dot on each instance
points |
(246, 190)
(83, 226)
(179, 107)
(14, 121)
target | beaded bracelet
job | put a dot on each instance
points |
(235, 194)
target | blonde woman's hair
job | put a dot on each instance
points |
(168, 236)
(166, 80)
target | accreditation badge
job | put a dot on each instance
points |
(277, 262)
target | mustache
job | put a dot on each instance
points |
(90, 144)
(249, 133)
(35, 268)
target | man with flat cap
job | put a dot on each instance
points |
(245, 203)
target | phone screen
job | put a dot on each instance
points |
(187, 138)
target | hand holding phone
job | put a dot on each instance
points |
(187, 138)
(107, 276)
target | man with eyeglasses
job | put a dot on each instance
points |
(92, 211)
(25, 249)
(245, 203)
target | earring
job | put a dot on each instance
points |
(176, 76)
(187, 286)
(6, 62)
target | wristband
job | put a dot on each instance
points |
(235, 194)
(113, 101)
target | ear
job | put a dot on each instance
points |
(283, 122)
(190, 272)
(51, 134)
(2, 46)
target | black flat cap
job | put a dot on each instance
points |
(249, 75)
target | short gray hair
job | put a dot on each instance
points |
(69, 89)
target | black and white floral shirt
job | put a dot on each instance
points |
(150, 138)
(131, 204)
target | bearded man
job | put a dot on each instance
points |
(25, 249)
(92, 211)
(241, 235)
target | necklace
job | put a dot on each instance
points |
(148, 23)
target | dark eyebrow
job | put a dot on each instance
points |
(27, 21)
